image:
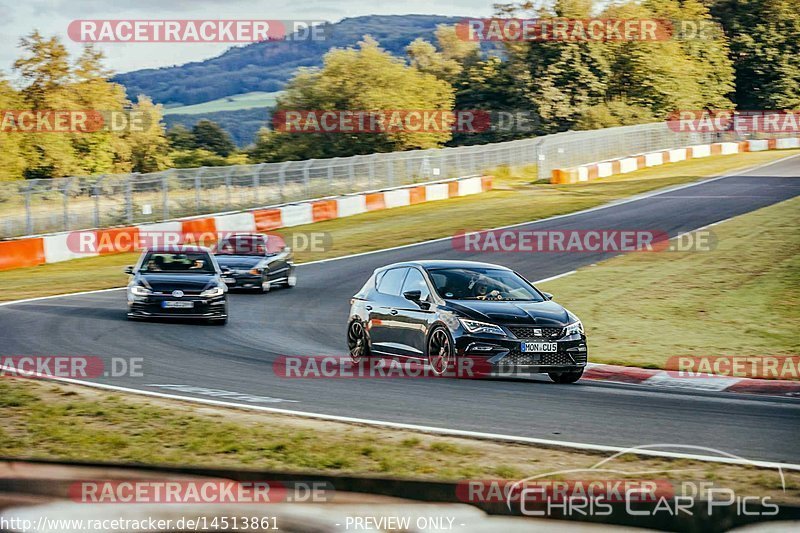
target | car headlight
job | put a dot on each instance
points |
(473, 326)
(213, 292)
(576, 328)
(255, 271)
(139, 290)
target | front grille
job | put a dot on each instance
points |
(515, 357)
(530, 332)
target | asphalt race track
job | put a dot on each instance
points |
(310, 320)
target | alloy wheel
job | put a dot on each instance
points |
(357, 342)
(439, 351)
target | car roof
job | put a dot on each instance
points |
(237, 235)
(177, 249)
(444, 263)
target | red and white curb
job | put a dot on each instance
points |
(663, 379)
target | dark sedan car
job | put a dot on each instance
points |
(440, 311)
(177, 282)
(256, 261)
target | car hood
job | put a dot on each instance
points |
(238, 261)
(172, 282)
(546, 313)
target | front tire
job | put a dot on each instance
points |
(357, 342)
(265, 286)
(441, 352)
(291, 279)
(566, 377)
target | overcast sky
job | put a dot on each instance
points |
(52, 17)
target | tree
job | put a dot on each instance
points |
(12, 151)
(44, 69)
(368, 79)
(106, 150)
(180, 138)
(765, 47)
(449, 61)
(559, 80)
(149, 147)
(208, 135)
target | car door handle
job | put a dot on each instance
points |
(393, 311)
(368, 308)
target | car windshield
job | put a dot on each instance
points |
(482, 284)
(192, 262)
(242, 246)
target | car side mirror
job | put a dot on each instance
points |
(414, 296)
(129, 269)
(225, 270)
(548, 295)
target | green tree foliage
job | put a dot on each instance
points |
(210, 136)
(148, 145)
(45, 70)
(366, 78)
(12, 150)
(101, 151)
(50, 82)
(180, 138)
(449, 60)
(764, 38)
(576, 84)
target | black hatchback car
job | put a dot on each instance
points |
(256, 261)
(441, 311)
(177, 282)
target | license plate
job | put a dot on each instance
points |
(228, 280)
(177, 305)
(545, 347)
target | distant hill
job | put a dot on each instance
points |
(267, 66)
(241, 124)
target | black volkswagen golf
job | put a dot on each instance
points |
(445, 311)
(177, 282)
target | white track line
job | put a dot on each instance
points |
(430, 429)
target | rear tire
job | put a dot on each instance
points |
(566, 377)
(357, 342)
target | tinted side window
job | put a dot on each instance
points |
(391, 282)
(416, 282)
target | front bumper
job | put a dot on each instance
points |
(498, 355)
(243, 281)
(202, 308)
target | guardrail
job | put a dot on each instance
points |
(33, 207)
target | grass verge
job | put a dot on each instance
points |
(50, 420)
(516, 198)
(742, 298)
